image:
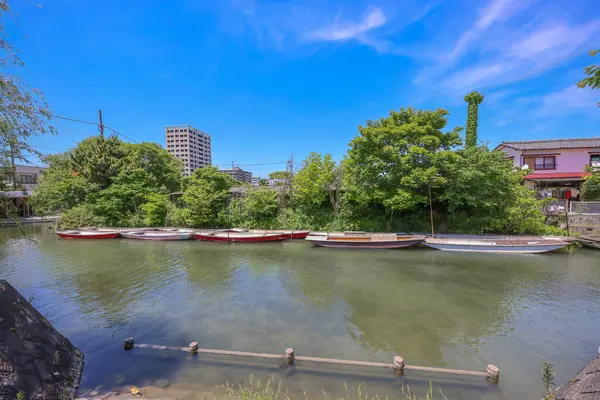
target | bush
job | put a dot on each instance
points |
(80, 216)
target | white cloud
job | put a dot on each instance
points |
(570, 100)
(495, 11)
(346, 30)
(535, 52)
(557, 35)
(498, 95)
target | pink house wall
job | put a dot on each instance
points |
(567, 160)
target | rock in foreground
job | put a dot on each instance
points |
(35, 358)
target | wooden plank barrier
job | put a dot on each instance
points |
(398, 365)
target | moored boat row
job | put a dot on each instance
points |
(346, 240)
(168, 234)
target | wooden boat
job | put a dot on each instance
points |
(361, 240)
(345, 233)
(245, 237)
(288, 234)
(592, 242)
(156, 235)
(506, 245)
(87, 234)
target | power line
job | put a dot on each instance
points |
(142, 144)
(103, 126)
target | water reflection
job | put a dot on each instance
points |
(433, 308)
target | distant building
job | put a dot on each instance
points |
(238, 174)
(26, 182)
(255, 180)
(190, 145)
(275, 182)
(27, 176)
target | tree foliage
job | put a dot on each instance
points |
(590, 189)
(206, 196)
(391, 171)
(113, 179)
(593, 75)
(313, 181)
(393, 160)
(280, 175)
(474, 99)
(155, 209)
(23, 111)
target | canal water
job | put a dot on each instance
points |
(433, 308)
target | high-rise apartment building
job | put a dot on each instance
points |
(189, 145)
(238, 174)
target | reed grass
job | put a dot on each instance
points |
(254, 389)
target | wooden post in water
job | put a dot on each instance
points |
(399, 365)
(289, 356)
(567, 216)
(193, 348)
(128, 343)
(493, 372)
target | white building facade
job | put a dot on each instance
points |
(190, 145)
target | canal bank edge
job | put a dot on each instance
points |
(583, 386)
(35, 359)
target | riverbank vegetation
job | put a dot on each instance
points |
(254, 389)
(23, 115)
(393, 169)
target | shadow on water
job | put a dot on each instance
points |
(433, 308)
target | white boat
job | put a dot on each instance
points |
(592, 242)
(87, 234)
(156, 235)
(505, 245)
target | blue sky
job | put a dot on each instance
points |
(270, 78)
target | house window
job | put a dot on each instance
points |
(595, 161)
(27, 178)
(540, 163)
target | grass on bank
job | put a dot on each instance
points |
(254, 389)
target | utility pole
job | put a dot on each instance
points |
(285, 196)
(100, 125)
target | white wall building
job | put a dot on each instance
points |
(190, 145)
(238, 174)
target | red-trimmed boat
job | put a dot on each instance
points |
(241, 237)
(87, 234)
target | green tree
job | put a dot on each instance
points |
(474, 99)
(590, 190)
(111, 178)
(481, 191)
(280, 175)
(313, 182)
(261, 207)
(593, 75)
(155, 209)
(477, 183)
(99, 160)
(23, 111)
(60, 187)
(392, 161)
(206, 196)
